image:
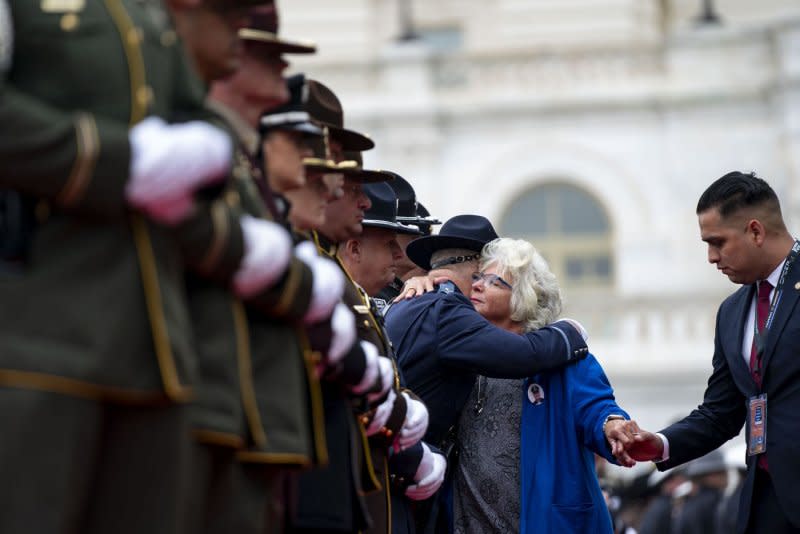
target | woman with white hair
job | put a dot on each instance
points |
(526, 447)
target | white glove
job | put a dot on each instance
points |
(371, 370)
(267, 251)
(415, 424)
(328, 285)
(343, 325)
(382, 413)
(386, 372)
(429, 475)
(577, 326)
(169, 162)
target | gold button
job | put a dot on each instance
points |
(364, 419)
(144, 95)
(135, 36)
(366, 323)
(232, 198)
(388, 433)
(168, 38)
(70, 22)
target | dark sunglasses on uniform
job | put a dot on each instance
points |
(490, 280)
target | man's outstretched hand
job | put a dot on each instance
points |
(630, 444)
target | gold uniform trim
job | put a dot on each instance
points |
(273, 458)
(222, 231)
(155, 309)
(77, 388)
(87, 150)
(141, 235)
(133, 53)
(289, 292)
(222, 439)
(246, 386)
(315, 399)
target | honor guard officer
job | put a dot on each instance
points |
(284, 395)
(415, 471)
(332, 499)
(96, 346)
(227, 416)
(442, 342)
(411, 214)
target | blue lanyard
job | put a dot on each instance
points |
(760, 337)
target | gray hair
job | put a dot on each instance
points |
(536, 296)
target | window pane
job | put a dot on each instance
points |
(575, 268)
(580, 213)
(602, 267)
(526, 216)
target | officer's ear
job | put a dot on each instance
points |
(353, 248)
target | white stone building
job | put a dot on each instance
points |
(589, 126)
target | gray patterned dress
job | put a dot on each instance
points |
(486, 484)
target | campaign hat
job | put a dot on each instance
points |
(470, 232)
(293, 115)
(326, 108)
(262, 29)
(352, 166)
(383, 210)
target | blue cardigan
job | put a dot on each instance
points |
(560, 432)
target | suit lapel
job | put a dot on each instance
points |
(733, 343)
(788, 300)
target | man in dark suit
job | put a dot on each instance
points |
(756, 377)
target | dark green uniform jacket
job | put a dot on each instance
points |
(258, 390)
(97, 307)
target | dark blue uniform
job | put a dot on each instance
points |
(441, 344)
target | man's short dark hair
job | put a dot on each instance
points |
(735, 191)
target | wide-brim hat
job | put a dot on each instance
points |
(326, 109)
(713, 462)
(353, 168)
(292, 115)
(406, 199)
(262, 30)
(383, 209)
(422, 220)
(470, 232)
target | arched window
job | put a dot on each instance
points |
(571, 230)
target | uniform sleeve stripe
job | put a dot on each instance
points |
(88, 149)
(222, 231)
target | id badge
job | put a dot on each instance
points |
(757, 419)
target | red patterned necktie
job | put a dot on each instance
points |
(762, 310)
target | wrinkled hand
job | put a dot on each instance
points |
(415, 424)
(429, 475)
(417, 285)
(630, 444)
(621, 434)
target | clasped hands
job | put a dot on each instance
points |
(630, 444)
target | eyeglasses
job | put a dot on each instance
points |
(490, 280)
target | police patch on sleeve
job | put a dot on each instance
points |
(6, 36)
